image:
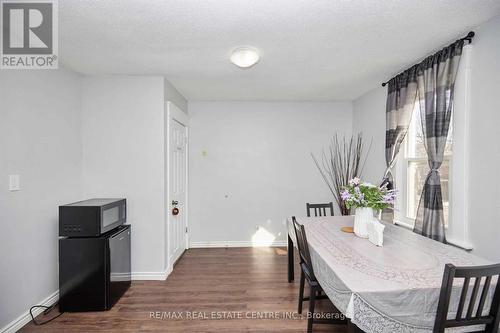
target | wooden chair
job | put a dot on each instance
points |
(474, 314)
(307, 273)
(319, 209)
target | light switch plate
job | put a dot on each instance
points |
(14, 183)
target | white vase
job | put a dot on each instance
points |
(363, 216)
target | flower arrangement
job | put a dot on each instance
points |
(361, 195)
(342, 160)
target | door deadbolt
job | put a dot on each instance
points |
(175, 202)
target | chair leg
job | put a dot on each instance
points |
(301, 290)
(291, 260)
(312, 303)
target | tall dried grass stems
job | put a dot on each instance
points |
(341, 161)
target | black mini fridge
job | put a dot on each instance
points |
(94, 272)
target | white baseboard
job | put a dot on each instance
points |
(25, 318)
(210, 244)
(151, 276)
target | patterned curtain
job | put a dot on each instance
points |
(436, 79)
(402, 93)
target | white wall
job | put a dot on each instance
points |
(39, 140)
(369, 117)
(485, 138)
(250, 165)
(123, 133)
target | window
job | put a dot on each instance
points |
(412, 168)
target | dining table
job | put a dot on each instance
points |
(380, 289)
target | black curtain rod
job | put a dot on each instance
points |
(467, 38)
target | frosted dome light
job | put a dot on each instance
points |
(244, 57)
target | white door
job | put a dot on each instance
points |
(177, 188)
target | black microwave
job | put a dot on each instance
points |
(92, 217)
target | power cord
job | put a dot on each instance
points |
(45, 312)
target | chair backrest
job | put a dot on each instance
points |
(482, 277)
(319, 209)
(303, 245)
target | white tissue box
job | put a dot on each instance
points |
(376, 232)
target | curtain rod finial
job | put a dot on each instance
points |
(469, 36)
(384, 84)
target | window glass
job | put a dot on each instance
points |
(415, 158)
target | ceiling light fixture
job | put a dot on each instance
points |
(245, 56)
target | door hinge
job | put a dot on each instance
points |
(186, 230)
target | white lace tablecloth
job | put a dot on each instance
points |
(394, 288)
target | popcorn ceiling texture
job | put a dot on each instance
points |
(311, 50)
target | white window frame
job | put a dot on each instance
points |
(457, 232)
(402, 179)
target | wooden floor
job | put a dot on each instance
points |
(230, 282)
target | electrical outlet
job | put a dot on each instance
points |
(14, 183)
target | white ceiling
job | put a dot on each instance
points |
(311, 49)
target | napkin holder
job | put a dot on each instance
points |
(376, 232)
